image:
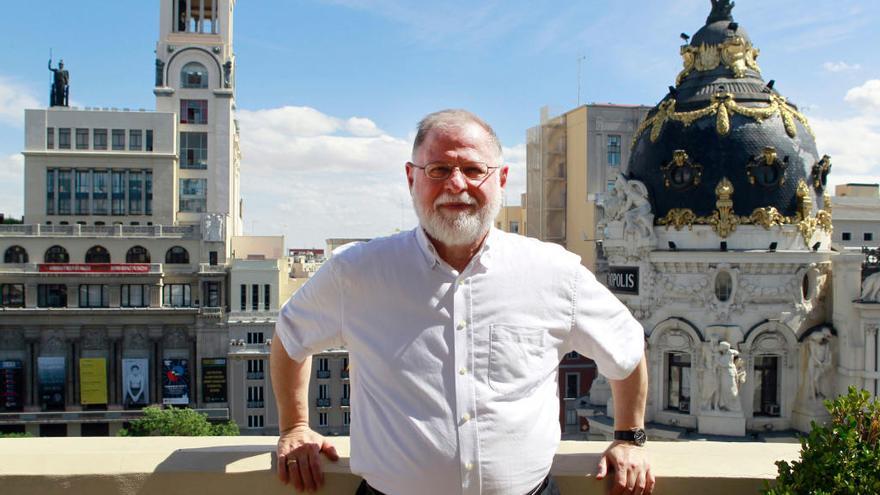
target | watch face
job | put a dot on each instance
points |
(639, 437)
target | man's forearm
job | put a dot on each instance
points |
(630, 395)
(290, 382)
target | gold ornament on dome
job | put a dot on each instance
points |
(766, 217)
(767, 169)
(721, 105)
(679, 218)
(681, 173)
(821, 169)
(735, 53)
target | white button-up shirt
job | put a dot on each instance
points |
(454, 375)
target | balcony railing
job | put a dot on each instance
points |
(322, 402)
(255, 404)
(343, 374)
(344, 402)
(323, 373)
(40, 230)
(232, 465)
(256, 375)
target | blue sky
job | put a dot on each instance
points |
(329, 91)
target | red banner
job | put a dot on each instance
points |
(94, 267)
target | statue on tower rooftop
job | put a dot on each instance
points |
(721, 11)
(60, 85)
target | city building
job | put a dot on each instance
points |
(513, 218)
(572, 160)
(718, 238)
(115, 287)
(330, 393)
(856, 215)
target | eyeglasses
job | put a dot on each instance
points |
(472, 171)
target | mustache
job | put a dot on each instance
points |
(461, 198)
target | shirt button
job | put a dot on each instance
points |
(465, 417)
(462, 371)
(468, 466)
(461, 325)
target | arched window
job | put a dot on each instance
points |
(56, 254)
(177, 255)
(194, 75)
(97, 254)
(15, 254)
(137, 254)
(723, 286)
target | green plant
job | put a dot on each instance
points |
(840, 458)
(177, 422)
(16, 435)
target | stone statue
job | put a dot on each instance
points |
(709, 386)
(871, 288)
(58, 96)
(227, 74)
(160, 73)
(819, 361)
(638, 220)
(615, 201)
(729, 377)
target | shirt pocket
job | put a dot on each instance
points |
(516, 356)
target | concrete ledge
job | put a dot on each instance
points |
(234, 465)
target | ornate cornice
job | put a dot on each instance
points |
(736, 53)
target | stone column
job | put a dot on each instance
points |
(114, 366)
(72, 295)
(73, 353)
(155, 333)
(31, 378)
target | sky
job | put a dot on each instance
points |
(329, 91)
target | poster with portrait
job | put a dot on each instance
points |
(92, 381)
(214, 379)
(11, 385)
(51, 372)
(175, 381)
(135, 382)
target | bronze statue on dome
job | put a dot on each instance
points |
(58, 96)
(721, 11)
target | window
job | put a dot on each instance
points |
(135, 192)
(212, 294)
(56, 254)
(15, 254)
(513, 226)
(255, 338)
(93, 296)
(846, 236)
(100, 139)
(678, 382)
(137, 254)
(50, 138)
(176, 295)
(723, 286)
(193, 195)
(613, 150)
(609, 186)
(346, 418)
(243, 297)
(194, 150)
(767, 386)
(212, 258)
(193, 111)
(52, 295)
(571, 416)
(255, 420)
(118, 192)
(82, 139)
(323, 391)
(177, 255)
(572, 385)
(50, 192)
(64, 192)
(256, 369)
(194, 75)
(868, 236)
(255, 297)
(82, 189)
(100, 183)
(322, 419)
(572, 355)
(149, 141)
(148, 193)
(267, 296)
(346, 391)
(135, 140)
(64, 138)
(135, 296)
(97, 254)
(323, 364)
(118, 137)
(255, 397)
(12, 295)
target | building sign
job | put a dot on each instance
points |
(175, 381)
(623, 279)
(92, 381)
(52, 376)
(214, 379)
(11, 385)
(135, 382)
(94, 267)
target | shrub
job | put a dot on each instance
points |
(840, 458)
(177, 422)
(16, 435)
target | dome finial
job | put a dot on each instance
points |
(721, 11)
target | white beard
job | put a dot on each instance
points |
(460, 228)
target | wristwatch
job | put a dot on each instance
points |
(635, 436)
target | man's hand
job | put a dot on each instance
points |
(298, 450)
(632, 470)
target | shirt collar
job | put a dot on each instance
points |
(483, 256)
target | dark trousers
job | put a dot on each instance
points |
(547, 487)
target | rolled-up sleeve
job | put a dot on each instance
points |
(603, 329)
(312, 318)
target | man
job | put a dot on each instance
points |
(455, 331)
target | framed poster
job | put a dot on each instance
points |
(175, 381)
(135, 382)
(214, 379)
(92, 381)
(11, 385)
(51, 372)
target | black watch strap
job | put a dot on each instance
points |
(635, 436)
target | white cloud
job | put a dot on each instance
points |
(866, 96)
(11, 185)
(840, 66)
(515, 158)
(14, 98)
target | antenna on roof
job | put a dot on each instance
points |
(580, 59)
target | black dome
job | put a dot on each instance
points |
(723, 121)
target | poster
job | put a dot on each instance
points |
(175, 381)
(92, 381)
(11, 385)
(214, 379)
(135, 382)
(52, 376)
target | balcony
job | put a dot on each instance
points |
(127, 231)
(231, 465)
(344, 374)
(323, 373)
(322, 402)
(345, 402)
(255, 404)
